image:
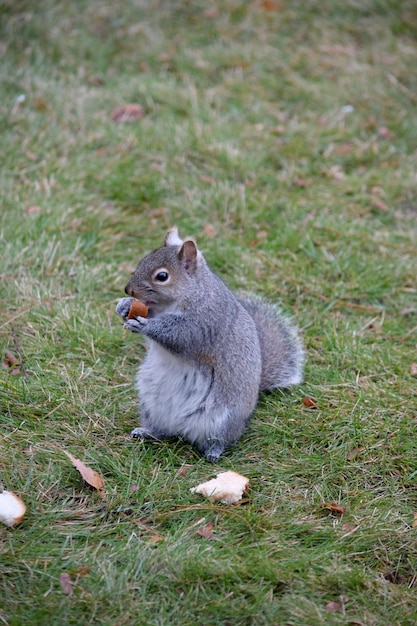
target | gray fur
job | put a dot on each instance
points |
(209, 353)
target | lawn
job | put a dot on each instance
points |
(282, 135)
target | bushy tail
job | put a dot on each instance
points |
(281, 348)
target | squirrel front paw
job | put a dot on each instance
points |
(123, 307)
(135, 325)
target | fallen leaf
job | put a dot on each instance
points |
(353, 453)
(10, 360)
(209, 230)
(386, 133)
(336, 173)
(165, 57)
(33, 209)
(128, 113)
(211, 13)
(156, 538)
(309, 402)
(227, 487)
(300, 182)
(183, 470)
(413, 369)
(414, 523)
(270, 5)
(334, 507)
(379, 204)
(336, 606)
(40, 104)
(66, 583)
(207, 531)
(207, 179)
(349, 528)
(89, 475)
(12, 508)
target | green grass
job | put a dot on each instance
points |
(292, 133)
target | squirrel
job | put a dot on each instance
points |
(210, 352)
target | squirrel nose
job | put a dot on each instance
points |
(128, 290)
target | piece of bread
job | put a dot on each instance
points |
(227, 487)
(137, 309)
(12, 508)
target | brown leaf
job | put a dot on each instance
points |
(156, 538)
(33, 209)
(207, 179)
(11, 363)
(10, 359)
(414, 523)
(207, 531)
(379, 204)
(211, 13)
(309, 402)
(413, 369)
(66, 583)
(300, 182)
(386, 133)
(128, 113)
(334, 507)
(183, 470)
(336, 606)
(353, 453)
(209, 230)
(270, 5)
(89, 475)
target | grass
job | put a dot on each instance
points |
(288, 131)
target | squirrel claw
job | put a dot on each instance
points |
(135, 325)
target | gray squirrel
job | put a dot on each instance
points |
(210, 352)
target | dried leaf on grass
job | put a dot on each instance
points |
(271, 5)
(207, 531)
(89, 475)
(11, 363)
(156, 538)
(334, 507)
(227, 487)
(12, 508)
(413, 369)
(183, 470)
(66, 583)
(354, 452)
(128, 113)
(309, 402)
(336, 606)
(209, 230)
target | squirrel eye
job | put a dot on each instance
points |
(162, 277)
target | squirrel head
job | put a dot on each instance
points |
(167, 277)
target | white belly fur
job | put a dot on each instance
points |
(174, 395)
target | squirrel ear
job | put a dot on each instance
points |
(172, 237)
(188, 255)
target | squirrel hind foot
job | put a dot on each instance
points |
(213, 451)
(142, 433)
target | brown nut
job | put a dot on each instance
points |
(137, 309)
